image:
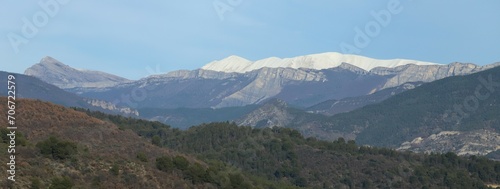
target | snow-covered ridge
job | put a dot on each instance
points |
(314, 61)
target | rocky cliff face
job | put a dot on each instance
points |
(277, 113)
(111, 107)
(267, 83)
(56, 73)
(203, 88)
(271, 114)
(426, 73)
(477, 142)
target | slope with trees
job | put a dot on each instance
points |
(283, 155)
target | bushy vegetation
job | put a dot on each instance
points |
(142, 157)
(90, 153)
(284, 156)
(35, 184)
(57, 149)
(61, 183)
(5, 138)
(192, 171)
(115, 169)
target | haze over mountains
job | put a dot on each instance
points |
(300, 93)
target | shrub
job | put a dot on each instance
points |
(20, 139)
(57, 149)
(164, 164)
(156, 140)
(180, 163)
(197, 174)
(35, 184)
(115, 170)
(142, 157)
(61, 183)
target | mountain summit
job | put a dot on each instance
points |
(63, 76)
(313, 61)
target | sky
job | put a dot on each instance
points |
(134, 39)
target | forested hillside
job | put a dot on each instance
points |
(58, 147)
(283, 155)
(461, 103)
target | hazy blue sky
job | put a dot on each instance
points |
(127, 37)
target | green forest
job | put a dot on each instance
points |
(284, 156)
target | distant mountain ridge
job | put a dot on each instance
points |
(34, 88)
(63, 76)
(314, 61)
(299, 87)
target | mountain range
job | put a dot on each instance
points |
(326, 95)
(303, 86)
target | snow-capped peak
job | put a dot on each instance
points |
(229, 64)
(313, 61)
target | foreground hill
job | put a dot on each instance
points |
(282, 155)
(100, 146)
(31, 87)
(61, 147)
